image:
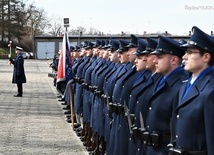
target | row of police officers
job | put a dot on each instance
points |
(153, 97)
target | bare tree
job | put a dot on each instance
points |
(93, 31)
(56, 26)
(78, 31)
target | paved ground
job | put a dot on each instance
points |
(34, 124)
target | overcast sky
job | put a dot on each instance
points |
(134, 16)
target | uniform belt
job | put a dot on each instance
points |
(98, 93)
(92, 88)
(177, 151)
(79, 80)
(106, 99)
(85, 86)
(155, 139)
(117, 108)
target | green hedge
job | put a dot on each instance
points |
(4, 53)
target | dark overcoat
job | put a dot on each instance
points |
(194, 116)
(18, 71)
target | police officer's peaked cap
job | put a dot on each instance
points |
(141, 47)
(182, 41)
(89, 45)
(133, 42)
(151, 46)
(97, 43)
(123, 44)
(169, 46)
(114, 45)
(72, 48)
(19, 48)
(102, 44)
(76, 48)
(200, 40)
(84, 45)
(106, 44)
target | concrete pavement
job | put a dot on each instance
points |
(34, 124)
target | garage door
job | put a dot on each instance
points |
(45, 50)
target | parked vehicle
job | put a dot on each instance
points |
(25, 55)
(31, 55)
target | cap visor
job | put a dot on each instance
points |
(187, 45)
(155, 52)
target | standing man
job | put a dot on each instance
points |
(194, 106)
(168, 62)
(18, 71)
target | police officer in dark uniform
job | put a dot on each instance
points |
(143, 97)
(67, 93)
(92, 88)
(86, 95)
(100, 76)
(168, 62)
(78, 97)
(194, 105)
(139, 82)
(108, 89)
(76, 60)
(124, 82)
(18, 71)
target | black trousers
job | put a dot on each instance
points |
(20, 90)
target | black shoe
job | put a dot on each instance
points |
(79, 134)
(67, 112)
(62, 99)
(82, 138)
(68, 116)
(78, 129)
(69, 120)
(17, 95)
(66, 108)
(76, 125)
(63, 103)
(89, 149)
(59, 96)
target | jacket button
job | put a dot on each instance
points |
(177, 116)
(150, 108)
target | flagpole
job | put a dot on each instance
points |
(72, 106)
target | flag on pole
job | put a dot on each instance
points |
(64, 73)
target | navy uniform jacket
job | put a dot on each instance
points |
(143, 97)
(194, 115)
(98, 104)
(18, 71)
(119, 83)
(78, 98)
(110, 80)
(93, 119)
(108, 90)
(160, 109)
(141, 105)
(86, 93)
(74, 71)
(119, 131)
(136, 88)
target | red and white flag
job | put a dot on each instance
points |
(64, 73)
